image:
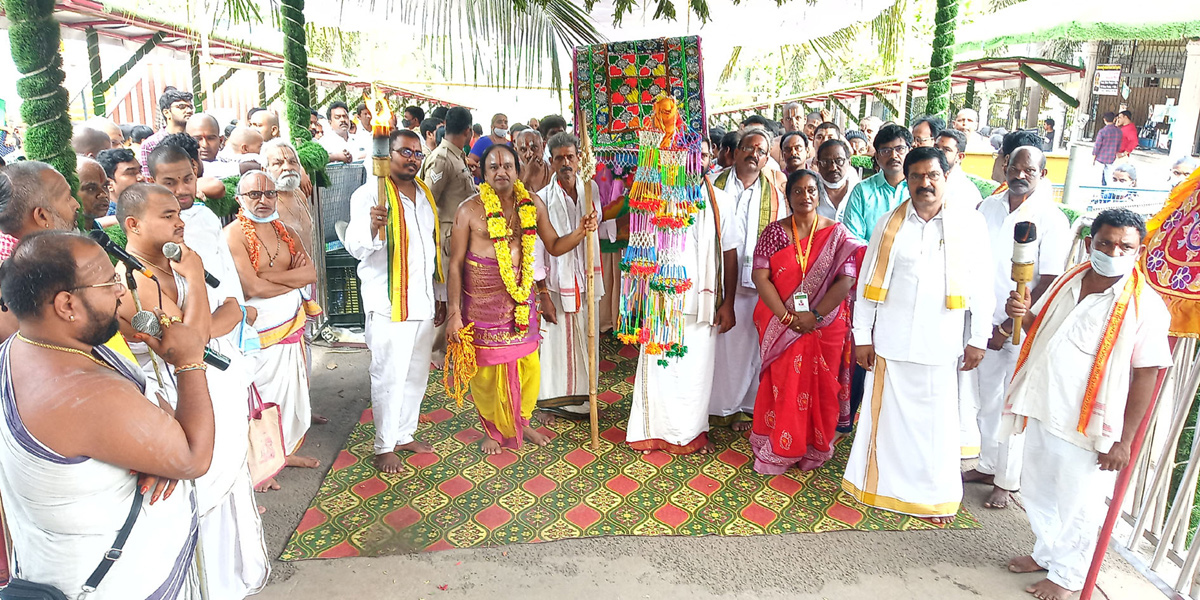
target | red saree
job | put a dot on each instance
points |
(805, 379)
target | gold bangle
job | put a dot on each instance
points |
(191, 367)
(1003, 332)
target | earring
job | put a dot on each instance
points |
(72, 317)
(136, 230)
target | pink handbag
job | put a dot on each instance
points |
(267, 456)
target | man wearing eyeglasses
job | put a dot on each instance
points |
(883, 191)
(756, 193)
(403, 293)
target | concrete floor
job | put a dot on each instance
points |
(844, 565)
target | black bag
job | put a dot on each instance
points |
(20, 589)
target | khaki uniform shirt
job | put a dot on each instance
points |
(445, 172)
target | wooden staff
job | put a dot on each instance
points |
(588, 167)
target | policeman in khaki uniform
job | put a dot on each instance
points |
(445, 171)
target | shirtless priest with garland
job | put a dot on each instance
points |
(490, 288)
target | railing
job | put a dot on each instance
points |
(1159, 516)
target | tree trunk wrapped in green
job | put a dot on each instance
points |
(313, 156)
(941, 63)
(33, 35)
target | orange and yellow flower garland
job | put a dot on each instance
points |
(499, 232)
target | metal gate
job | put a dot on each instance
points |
(1152, 71)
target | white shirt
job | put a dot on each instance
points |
(202, 232)
(1053, 240)
(335, 144)
(961, 189)
(745, 206)
(372, 253)
(827, 209)
(696, 248)
(913, 323)
(221, 168)
(1053, 389)
(361, 144)
(565, 214)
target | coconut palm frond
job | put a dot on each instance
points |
(237, 11)
(500, 42)
(730, 64)
(995, 5)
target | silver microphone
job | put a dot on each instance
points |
(173, 252)
(146, 322)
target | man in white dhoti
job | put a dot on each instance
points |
(149, 214)
(924, 269)
(273, 268)
(755, 203)
(1080, 407)
(68, 484)
(1027, 198)
(403, 294)
(671, 402)
(562, 292)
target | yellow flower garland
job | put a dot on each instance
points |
(499, 232)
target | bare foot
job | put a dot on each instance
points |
(319, 420)
(306, 462)
(1048, 590)
(388, 462)
(741, 426)
(416, 447)
(268, 485)
(998, 499)
(1024, 564)
(489, 446)
(974, 476)
(708, 448)
(546, 418)
(262, 510)
(940, 520)
(424, 419)
(534, 436)
(644, 452)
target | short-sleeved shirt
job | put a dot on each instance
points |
(1129, 138)
(868, 201)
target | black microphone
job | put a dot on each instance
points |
(119, 253)
(146, 322)
(173, 252)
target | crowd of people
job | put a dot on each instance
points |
(831, 271)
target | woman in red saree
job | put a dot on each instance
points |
(804, 269)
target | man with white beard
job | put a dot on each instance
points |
(283, 165)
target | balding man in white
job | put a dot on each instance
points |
(967, 121)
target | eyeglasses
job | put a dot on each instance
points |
(410, 153)
(116, 280)
(901, 149)
(825, 162)
(260, 194)
(757, 152)
(920, 141)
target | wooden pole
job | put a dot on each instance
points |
(588, 170)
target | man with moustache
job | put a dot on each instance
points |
(562, 291)
(922, 272)
(953, 144)
(883, 191)
(756, 195)
(793, 149)
(93, 190)
(149, 215)
(832, 161)
(1027, 198)
(535, 171)
(403, 291)
(122, 169)
(282, 163)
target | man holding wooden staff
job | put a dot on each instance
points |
(1026, 199)
(567, 340)
(394, 237)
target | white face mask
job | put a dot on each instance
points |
(830, 185)
(1113, 266)
(498, 132)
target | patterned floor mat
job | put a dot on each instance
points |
(459, 498)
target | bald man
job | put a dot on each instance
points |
(89, 142)
(114, 133)
(206, 130)
(967, 121)
(266, 122)
(93, 189)
(244, 145)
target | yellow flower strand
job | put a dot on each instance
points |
(461, 365)
(499, 232)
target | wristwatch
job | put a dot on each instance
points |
(816, 314)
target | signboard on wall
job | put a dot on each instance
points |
(1108, 80)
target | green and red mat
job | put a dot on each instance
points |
(460, 498)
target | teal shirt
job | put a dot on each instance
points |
(868, 202)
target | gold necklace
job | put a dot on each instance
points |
(64, 349)
(278, 241)
(151, 263)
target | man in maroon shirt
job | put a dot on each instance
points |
(1129, 137)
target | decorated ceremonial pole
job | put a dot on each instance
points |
(588, 168)
(381, 129)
